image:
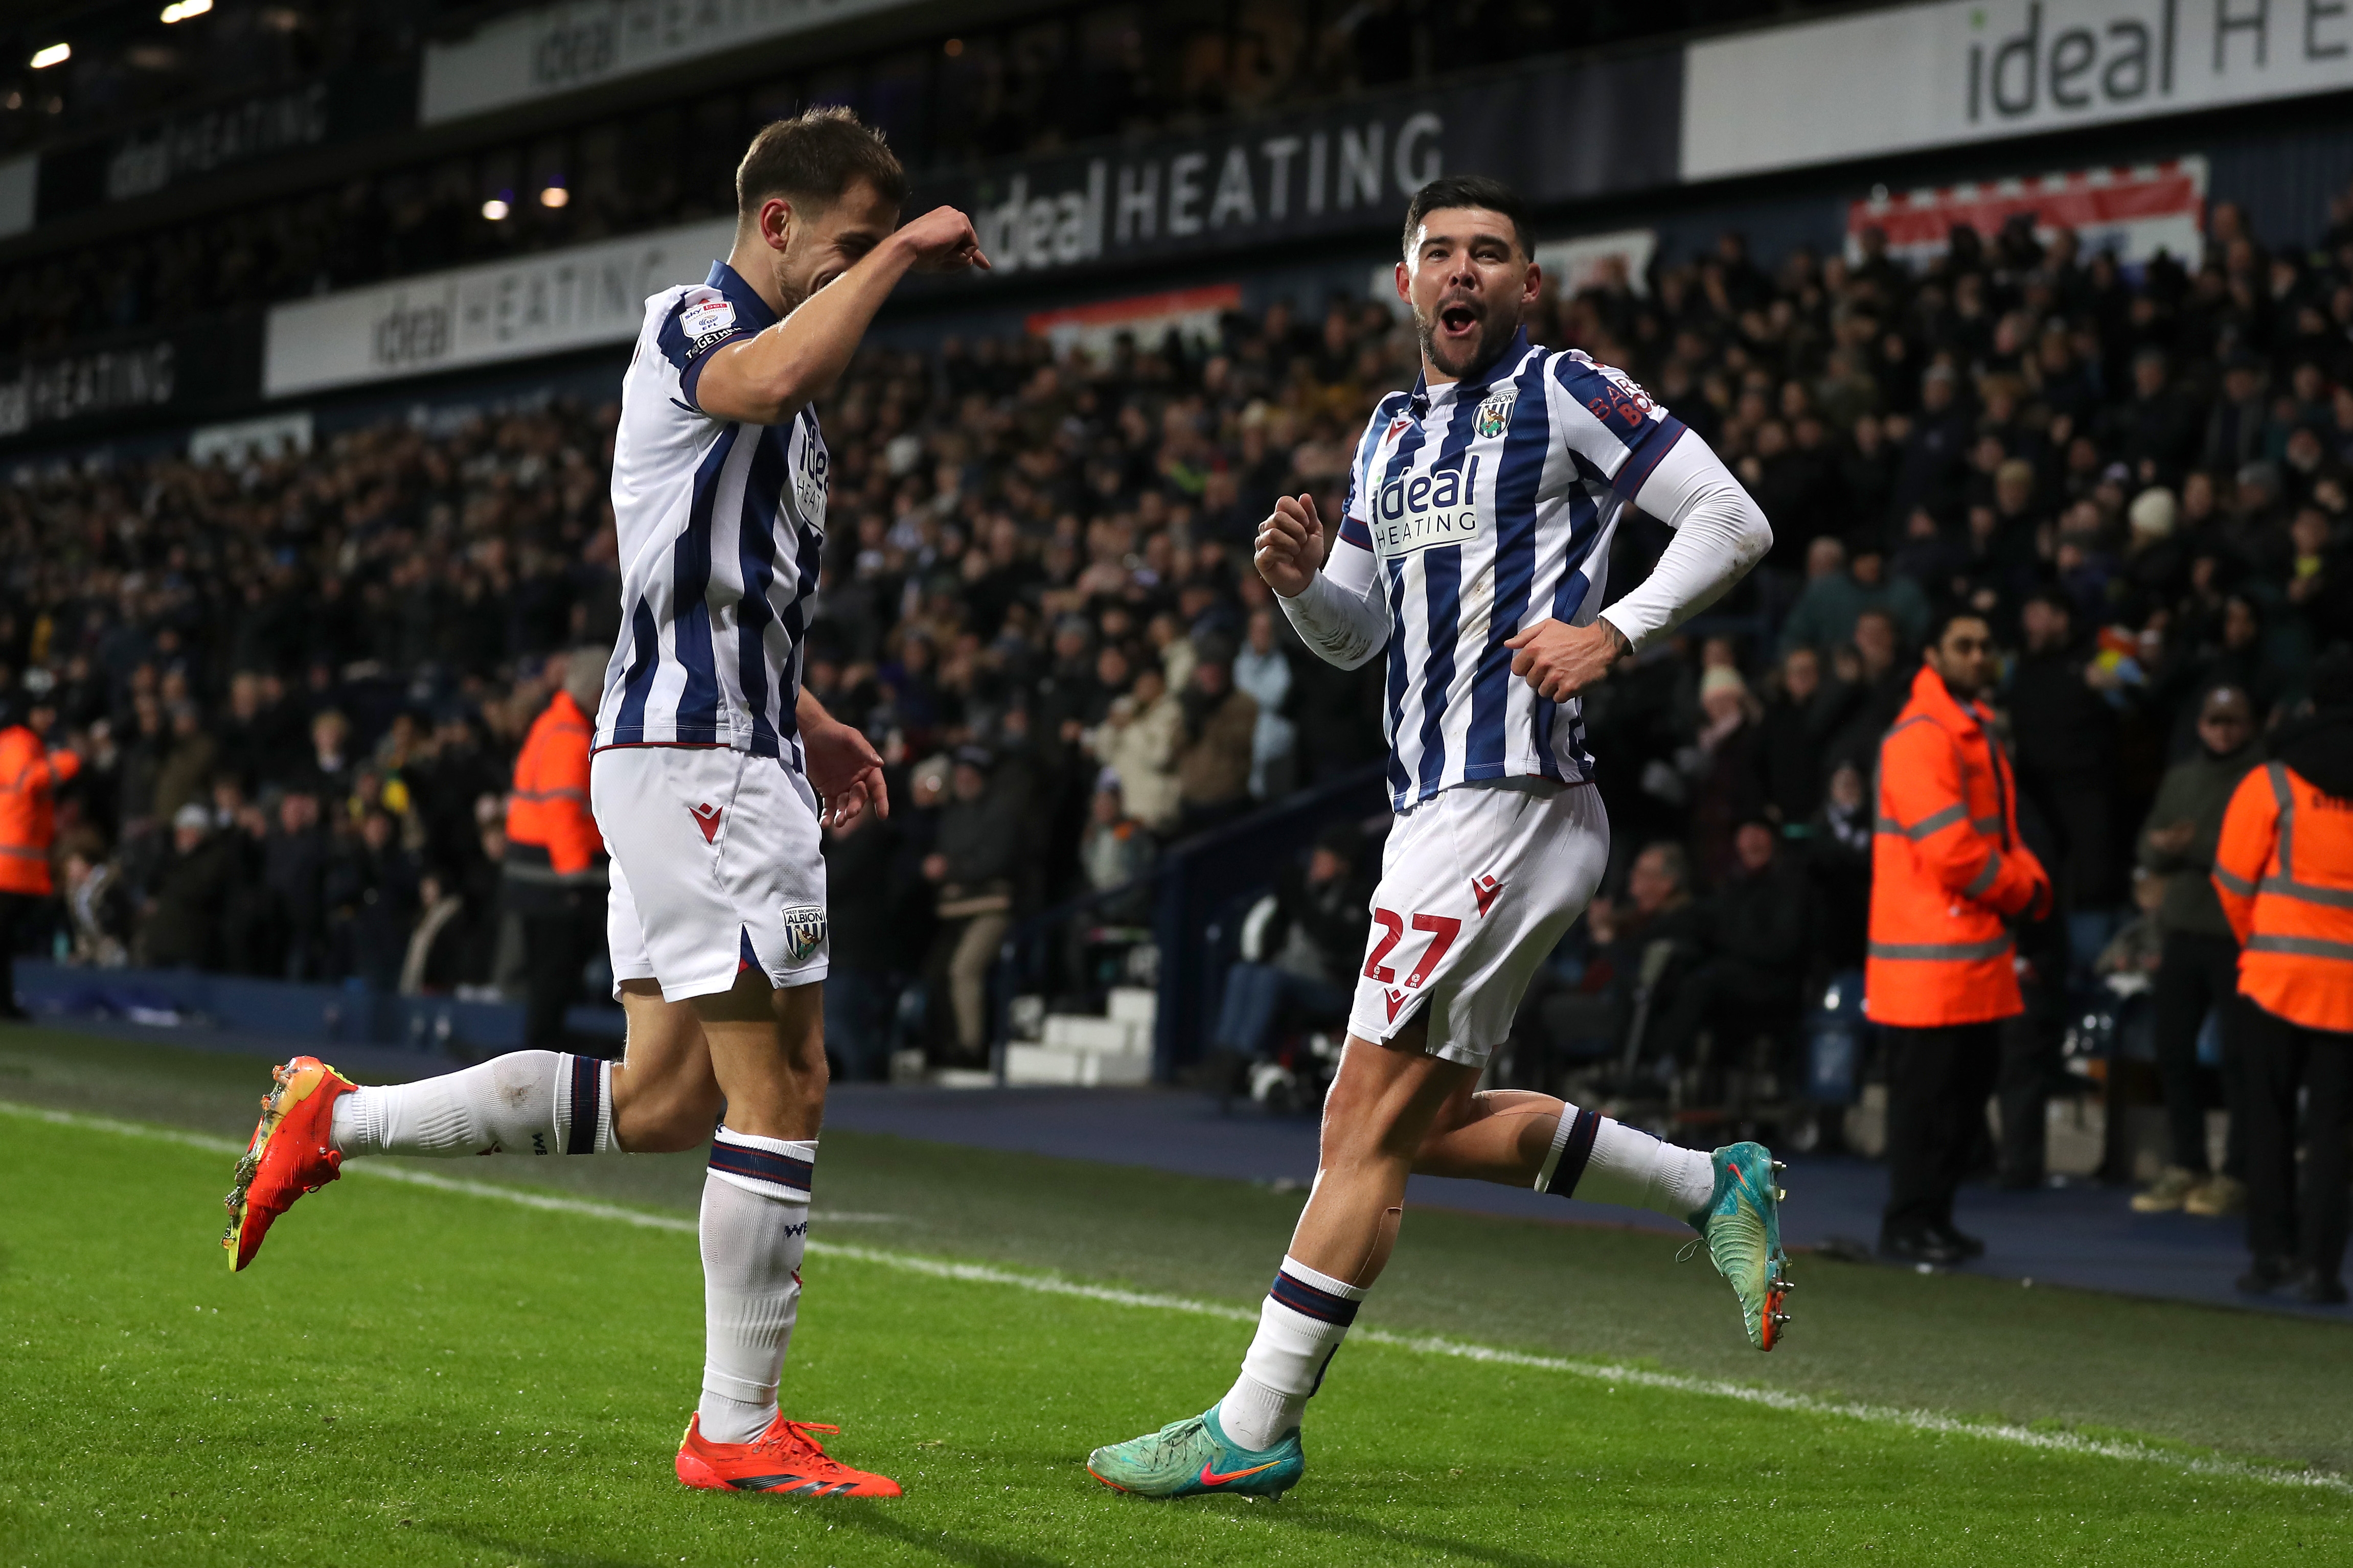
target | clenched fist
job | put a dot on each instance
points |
(1290, 547)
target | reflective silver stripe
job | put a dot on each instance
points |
(1935, 821)
(2301, 946)
(2235, 883)
(1994, 948)
(1984, 879)
(2308, 893)
(580, 795)
(14, 853)
(1986, 824)
(2280, 792)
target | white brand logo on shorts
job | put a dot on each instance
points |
(804, 931)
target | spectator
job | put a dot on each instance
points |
(1116, 849)
(1648, 950)
(1138, 741)
(979, 855)
(182, 928)
(99, 908)
(2198, 968)
(1842, 582)
(1214, 758)
(1300, 947)
(867, 909)
(1263, 672)
(294, 867)
(2066, 747)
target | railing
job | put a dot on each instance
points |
(1194, 890)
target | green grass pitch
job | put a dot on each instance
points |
(418, 1375)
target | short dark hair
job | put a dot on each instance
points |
(1944, 620)
(1469, 191)
(814, 157)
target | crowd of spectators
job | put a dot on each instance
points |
(299, 682)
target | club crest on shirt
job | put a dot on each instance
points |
(1495, 414)
(804, 931)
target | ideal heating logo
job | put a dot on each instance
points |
(2098, 58)
(1422, 511)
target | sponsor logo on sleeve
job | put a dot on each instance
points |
(707, 320)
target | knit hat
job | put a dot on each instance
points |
(1721, 679)
(2153, 512)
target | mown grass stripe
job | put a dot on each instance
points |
(1927, 1421)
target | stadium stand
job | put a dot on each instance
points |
(1039, 566)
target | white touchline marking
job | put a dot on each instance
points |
(1050, 1285)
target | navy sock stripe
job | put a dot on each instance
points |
(1301, 1296)
(587, 1109)
(1575, 1153)
(760, 1165)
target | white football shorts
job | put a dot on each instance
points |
(715, 868)
(1477, 885)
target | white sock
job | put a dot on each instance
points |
(1607, 1162)
(1305, 1316)
(536, 1102)
(755, 1225)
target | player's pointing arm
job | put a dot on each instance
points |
(767, 378)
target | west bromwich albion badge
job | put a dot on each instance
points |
(1496, 412)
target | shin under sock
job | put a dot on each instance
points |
(754, 1225)
(1607, 1162)
(1305, 1316)
(526, 1102)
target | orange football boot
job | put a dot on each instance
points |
(784, 1460)
(289, 1154)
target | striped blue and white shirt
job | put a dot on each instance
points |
(720, 524)
(1480, 509)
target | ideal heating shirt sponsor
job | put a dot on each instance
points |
(1410, 514)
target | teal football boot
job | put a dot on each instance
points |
(1741, 1227)
(1189, 1457)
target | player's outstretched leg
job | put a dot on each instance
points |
(662, 1098)
(1517, 1137)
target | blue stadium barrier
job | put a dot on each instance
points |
(284, 1010)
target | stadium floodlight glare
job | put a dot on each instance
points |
(496, 209)
(555, 196)
(55, 55)
(181, 10)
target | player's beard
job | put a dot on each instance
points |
(1495, 329)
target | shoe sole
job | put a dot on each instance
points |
(1172, 1497)
(275, 1106)
(693, 1472)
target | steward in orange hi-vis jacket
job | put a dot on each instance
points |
(2283, 871)
(557, 875)
(1948, 873)
(30, 774)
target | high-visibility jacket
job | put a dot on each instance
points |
(2284, 874)
(550, 831)
(1948, 870)
(30, 774)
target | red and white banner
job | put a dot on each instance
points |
(1094, 328)
(2135, 213)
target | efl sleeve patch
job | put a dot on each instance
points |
(706, 323)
